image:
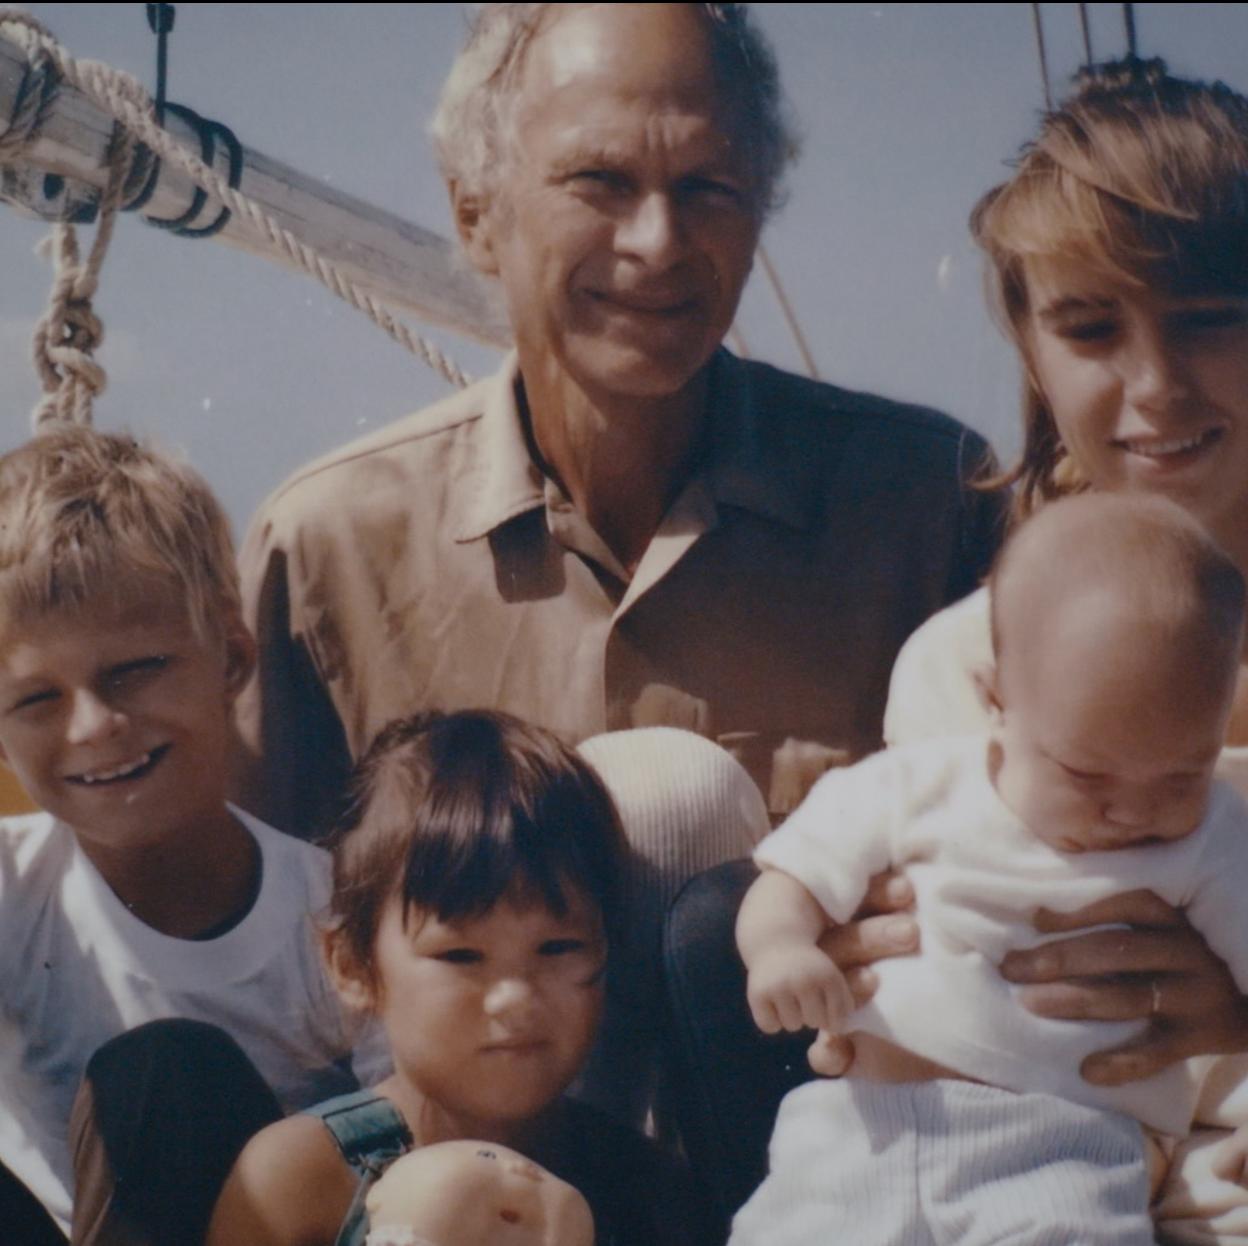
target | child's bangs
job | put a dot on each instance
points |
(459, 873)
(485, 838)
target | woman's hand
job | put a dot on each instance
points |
(882, 927)
(1158, 969)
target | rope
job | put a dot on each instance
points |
(123, 98)
(69, 331)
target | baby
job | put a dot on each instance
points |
(1118, 631)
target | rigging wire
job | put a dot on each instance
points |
(787, 308)
(1086, 32)
(160, 18)
(1038, 25)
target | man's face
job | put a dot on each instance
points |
(624, 223)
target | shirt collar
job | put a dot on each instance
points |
(744, 467)
(506, 481)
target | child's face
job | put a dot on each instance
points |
(1106, 743)
(116, 720)
(491, 1018)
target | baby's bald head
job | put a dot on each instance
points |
(1138, 565)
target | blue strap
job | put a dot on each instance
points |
(371, 1134)
(368, 1129)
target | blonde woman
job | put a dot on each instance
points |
(1119, 263)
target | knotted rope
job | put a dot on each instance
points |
(69, 331)
(124, 99)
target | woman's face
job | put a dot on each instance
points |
(1149, 391)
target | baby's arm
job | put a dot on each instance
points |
(792, 984)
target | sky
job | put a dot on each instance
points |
(908, 113)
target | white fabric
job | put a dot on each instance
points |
(78, 969)
(395, 1235)
(979, 875)
(946, 1162)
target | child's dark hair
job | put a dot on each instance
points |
(452, 812)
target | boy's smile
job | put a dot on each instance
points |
(127, 770)
(116, 720)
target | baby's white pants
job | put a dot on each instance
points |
(930, 1163)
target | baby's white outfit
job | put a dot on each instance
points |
(979, 876)
(932, 694)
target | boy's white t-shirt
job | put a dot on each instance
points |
(77, 968)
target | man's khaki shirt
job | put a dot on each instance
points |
(431, 566)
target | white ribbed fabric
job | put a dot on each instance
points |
(685, 805)
(944, 1162)
(395, 1235)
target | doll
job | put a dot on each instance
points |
(474, 1194)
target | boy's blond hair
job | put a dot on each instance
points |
(88, 516)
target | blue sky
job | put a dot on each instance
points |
(908, 111)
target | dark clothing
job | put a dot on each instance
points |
(23, 1220)
(162, 1115)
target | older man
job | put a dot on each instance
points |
(625, 525)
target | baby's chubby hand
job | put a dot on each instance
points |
(796, 987)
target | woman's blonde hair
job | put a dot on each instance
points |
(1140, 176)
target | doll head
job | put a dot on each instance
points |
(475, 1194)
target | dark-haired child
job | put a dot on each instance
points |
(476, 884)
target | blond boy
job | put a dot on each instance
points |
(1118, 634)
(138, 894)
